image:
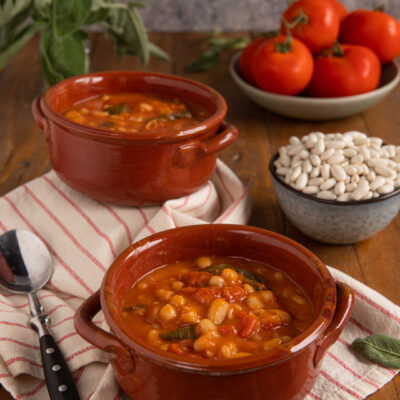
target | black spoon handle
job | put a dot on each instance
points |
(59, 380)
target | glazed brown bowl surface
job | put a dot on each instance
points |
(285, 373)
(132, 168)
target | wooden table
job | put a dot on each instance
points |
(24, 156)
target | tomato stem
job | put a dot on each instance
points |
(378, 7)
(298, 21)
(286, 46)
(335, 51)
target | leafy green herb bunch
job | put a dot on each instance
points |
(63, 26)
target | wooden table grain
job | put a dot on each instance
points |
(24, 156)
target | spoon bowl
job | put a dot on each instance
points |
(26, 266)
(25, 262)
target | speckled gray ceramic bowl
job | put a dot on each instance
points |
(331, 221)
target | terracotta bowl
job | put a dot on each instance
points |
(146, 373)
(132, 169)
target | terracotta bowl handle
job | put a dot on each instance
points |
(38, 114)
(228, 134)
(98, 337)
(345, 303)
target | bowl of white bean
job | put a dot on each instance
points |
(337, 188)
(318, 109)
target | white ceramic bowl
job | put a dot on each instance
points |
(318, 109)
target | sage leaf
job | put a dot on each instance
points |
(23, 37)
(69, 16)
(10, 8)
(217, 45)
(140, 32)
(118, 108)
(252, 279)
(62, 58)
(184, 332)
(158, 52)
(379, 348)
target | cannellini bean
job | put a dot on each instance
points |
(218, 310)
(385, 189)
(337, 158)
(325, 171)
(383, 170)
(327, 154)
(307, 167)
(340, 188)
(311, 190)
(254, 302)
(204, 326)
(228, 350)
(361, 190)
(377, 182)
(301, 181)
(319, 147)
(316, 181)
(315, 160)
(216, 281)
(167, 312)
(315, 172)
(328, 184)
(338, 172)
(326, 195)
(344, 197)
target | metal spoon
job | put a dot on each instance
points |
(26, 266)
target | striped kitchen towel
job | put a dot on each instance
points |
(84, 236)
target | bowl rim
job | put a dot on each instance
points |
(229, 366)
(278, 179)
(234, 70)
(214, 119)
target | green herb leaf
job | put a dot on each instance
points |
(118, 108)
(135, 307)
(172, 116)
(20, 40)
(10, 8)
(217, 45)
(69, 16)
(62, 58)
(185, 332)
(140, 32)
(158, 52)
(382, 349)
(252, 279)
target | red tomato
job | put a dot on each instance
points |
(374, 29)
(340, 9)
(249, 325)
(282, 72)
(320, 26)
(246, 58)
(208, 294)
(357, 71)
(233, 293)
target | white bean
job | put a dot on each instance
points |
(385, 171)
(316, 181)
(338, 172)
(385, 189)
(311, 190)
(295, 174)
(327, 153)
(315, 172)
(344, 197)
(326, 195)
(328, 184)
(377, 182)
(325, 171)
(301, 181)
(315, 160)
(340, 188)
(307, 167)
